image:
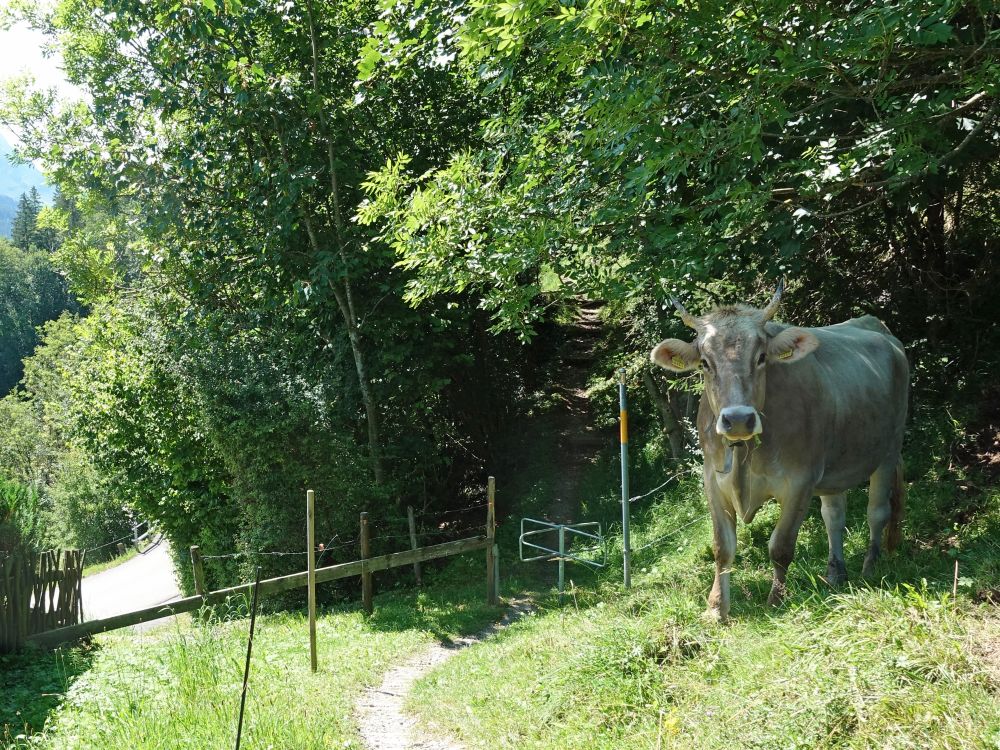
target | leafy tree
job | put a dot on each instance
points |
(640, 149)
(262, 141)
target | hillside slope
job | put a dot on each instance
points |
(898, 662)
(901, 664)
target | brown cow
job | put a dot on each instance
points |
(790, 413)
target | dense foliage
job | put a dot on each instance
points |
(314, 238)
(647, 148)
(31, 293)
(247, 338)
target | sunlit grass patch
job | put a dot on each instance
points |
(893, 663)
(179, 686)
(866, 668)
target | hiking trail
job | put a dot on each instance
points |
(382, 719)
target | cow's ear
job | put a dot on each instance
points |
(791, 344)
(675, 355)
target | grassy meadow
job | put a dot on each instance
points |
(178, 686)
(900, 663)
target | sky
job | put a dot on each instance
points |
(22, 51)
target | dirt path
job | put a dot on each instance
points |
(380, 712)
(578, 440)
(383, 722)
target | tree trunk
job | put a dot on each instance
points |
(345, 296)
(374, 438)
(672, 427)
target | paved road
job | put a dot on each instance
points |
(144, 581)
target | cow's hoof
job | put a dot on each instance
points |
(836, 573)
(777, 596)
(868, 570)
(716, 615)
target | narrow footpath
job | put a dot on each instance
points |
(380, 712)
(579, 441)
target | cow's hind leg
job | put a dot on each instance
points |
(879, 513)
(783, 538)
(834, 516)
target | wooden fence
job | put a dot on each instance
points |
(39, 591)
(363, 568)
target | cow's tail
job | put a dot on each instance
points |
(897, 504)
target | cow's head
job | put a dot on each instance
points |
(734, 350)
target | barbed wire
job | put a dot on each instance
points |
(261, 553)
(653, 491)
(403, 522)
(429, 532)
(672, 532)
(330, 546)
(468, 509)
(128, 537)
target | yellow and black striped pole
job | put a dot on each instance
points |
(626, 535)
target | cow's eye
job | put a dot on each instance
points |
(761, 359)
(705, 366)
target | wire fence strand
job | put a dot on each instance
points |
(672, 532)
(656, 489)
(331, 546)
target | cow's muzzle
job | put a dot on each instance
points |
(738, 423)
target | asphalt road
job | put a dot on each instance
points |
(144, 581)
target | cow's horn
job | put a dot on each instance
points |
(772, 306)
(689, 320)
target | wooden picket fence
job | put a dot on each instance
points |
(39, 591)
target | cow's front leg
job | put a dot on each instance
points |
(724, 547)
(782, 544)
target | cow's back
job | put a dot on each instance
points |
(840, 412)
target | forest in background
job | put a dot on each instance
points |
(325, 244)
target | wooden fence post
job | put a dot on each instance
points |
(491, 583)
(413, 540)
(198, 569)
(121, 549)
(366, 576)
(311, 558)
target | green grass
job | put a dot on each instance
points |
(179, 686)
(895, 665)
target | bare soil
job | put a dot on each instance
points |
(381, 717)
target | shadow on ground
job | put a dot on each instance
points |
(35, 684)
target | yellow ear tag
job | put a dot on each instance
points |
(786, 355)
(677, 361)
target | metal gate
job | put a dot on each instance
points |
(588, 533)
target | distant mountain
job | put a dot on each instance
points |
(16, 179)
(8, 207)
